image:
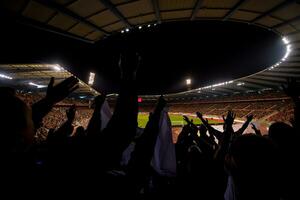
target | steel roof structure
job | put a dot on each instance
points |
(35, 77)
(93, 20)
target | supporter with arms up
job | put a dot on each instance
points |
(217, 133)
(65, 130)
(121, 129)
(18, 123)
(55, 94)
(139, 168)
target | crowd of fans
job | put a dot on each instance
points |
(118, 159)
(277, 108)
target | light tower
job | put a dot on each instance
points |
(188, 83)
(91, 78)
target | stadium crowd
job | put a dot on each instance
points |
(121, 160)
(276, 108)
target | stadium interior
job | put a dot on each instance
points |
(214, 126)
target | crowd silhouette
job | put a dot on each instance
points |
(118, 159)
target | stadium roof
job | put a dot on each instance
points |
(35, 77)
(93, 20)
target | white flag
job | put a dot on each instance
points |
(164, 157)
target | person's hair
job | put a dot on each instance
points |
(281, 133)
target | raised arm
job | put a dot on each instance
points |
(121, 129)
(245, 125)
(66, 128)
(94, 126)
(224, 143)
(256, 130)
(55, 93)
(210, 129)
(141, 157)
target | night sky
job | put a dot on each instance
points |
(208, 52)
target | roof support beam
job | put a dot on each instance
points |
(157, 10)
(287, 22)
(234, 9)
(196, 8)
(270, 78)
(65, 11)
(262, 82)
(281, 74)
(277, 7)
(50, 29)
(288, 69)
(109, 5)
(254, 85)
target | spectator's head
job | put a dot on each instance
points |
(281, 134)
(251, 161)
(17, 130)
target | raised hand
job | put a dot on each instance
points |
(256, 130)
(186, 119)
(129, 63)
(199, 115)
(56, 93)
(229, 118)
(71, 113)
(161, 103)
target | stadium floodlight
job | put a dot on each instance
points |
(188, 81)
(127, 29)
(287, 53)
(122, 31)
(57, 68)
(5, 76)
(91, 78)
(37, 85)
(285, 40)
(148, 25)
(140, 27)
(240, 83)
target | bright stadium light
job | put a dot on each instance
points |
(5, 76)
(91, 78)
(240, 83)
(285, 40)
(140, 27)
(127, 29)
(148, 25)
(188, 81)
(37, 85)
(287, 53)
(57, 68)
(122, 31)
